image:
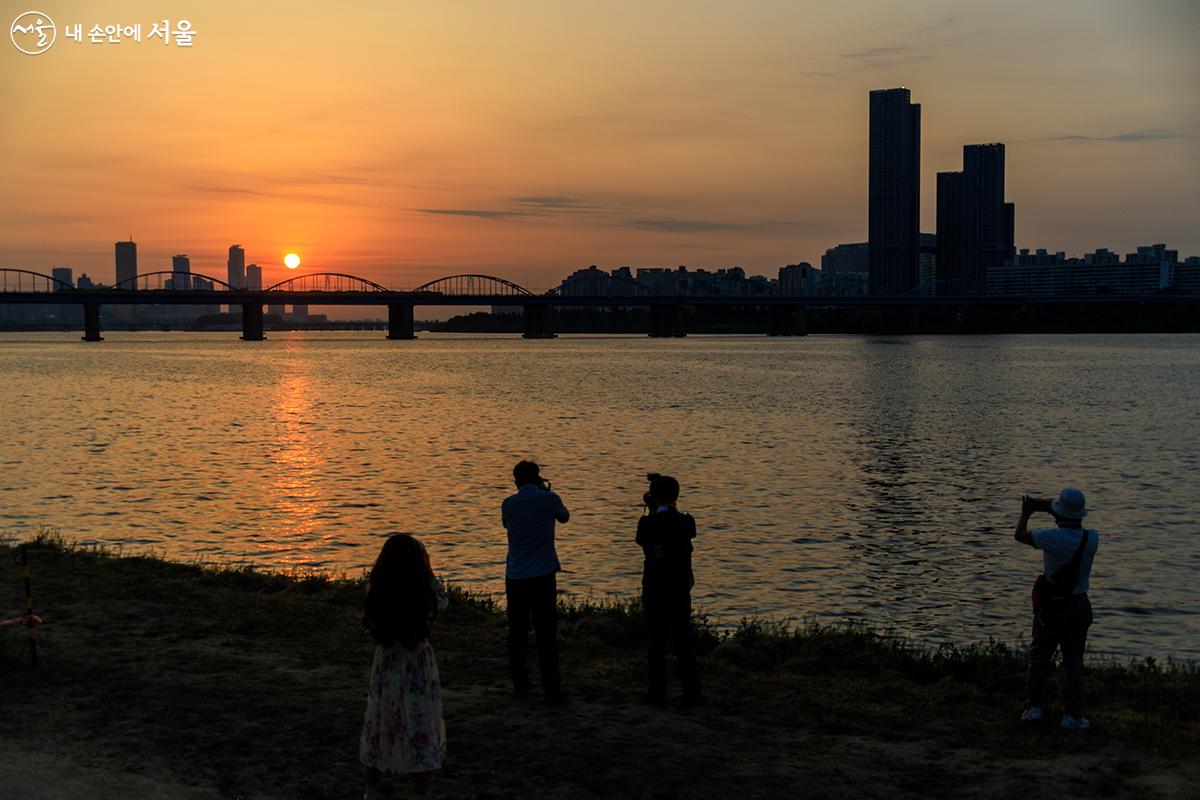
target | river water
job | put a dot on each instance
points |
(832, 477)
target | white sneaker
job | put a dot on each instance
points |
(1070, 723)
(1031, 714)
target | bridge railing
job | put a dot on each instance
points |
(327, 282)
(24, 280)
(473, 284)
(166, 280)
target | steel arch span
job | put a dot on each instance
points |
(471, 284)
(603, 285)
(24, 280)
(152, 281)
(327, 282)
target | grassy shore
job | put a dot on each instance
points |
(250, 684)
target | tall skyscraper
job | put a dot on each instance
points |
(236, 267)
(975, 225)
(894, 192)
(127, 263)
(949, 232)
(126, 278)
(181, 263)
(984, 216)
(254, 277)
(1010, 232)
(235, 271)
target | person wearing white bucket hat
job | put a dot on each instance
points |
(1062, 612)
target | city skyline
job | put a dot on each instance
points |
(758, 159)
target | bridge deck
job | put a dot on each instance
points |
(384, 298)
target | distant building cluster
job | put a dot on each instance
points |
(845, 271)
(1150, 270)
(239, 276)
(972, 250)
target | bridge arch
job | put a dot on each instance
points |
(24, 280)
(327, 282)
(474, 284)
(153, 281)
(603, 285)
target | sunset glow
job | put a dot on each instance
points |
(526, 140)
(291, 261)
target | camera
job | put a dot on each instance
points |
(1036, 504)
(648, 499)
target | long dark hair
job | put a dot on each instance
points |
(401, 600)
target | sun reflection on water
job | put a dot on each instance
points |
(295, 463)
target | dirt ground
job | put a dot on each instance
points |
(168, 681)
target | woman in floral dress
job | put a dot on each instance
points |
(403, 732)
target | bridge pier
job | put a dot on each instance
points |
(400, 321)
(252, 322)
(539, 322)
(666, 321)
(786, 320)
(899, 320)
(91, 323)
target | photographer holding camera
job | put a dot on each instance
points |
(1062, 612)
(530, 582)
(665, 536)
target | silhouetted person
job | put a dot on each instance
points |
(1062, 612)
(530, 581)
(403, 732)
(665, 536)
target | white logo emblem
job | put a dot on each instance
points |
(32, 32)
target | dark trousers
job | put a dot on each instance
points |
(1061, 623)
(669, 619)
(536, 598)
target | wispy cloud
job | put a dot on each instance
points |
(681, 225)
(552, 202)
(877, 52)
(1153, 135)
(891, 56)
(277, 194)
(478, 213)
(523, 208)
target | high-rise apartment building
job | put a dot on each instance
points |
(894, 192)
(181, 264)
(126, 264)
(235, 271)
(236, 267)
(127, 271)
(254, 277)
(976, 228)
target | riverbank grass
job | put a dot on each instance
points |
(251, 683)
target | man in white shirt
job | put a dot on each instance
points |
(1062, 612)
(530, 585)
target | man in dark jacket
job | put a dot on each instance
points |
(665, 536)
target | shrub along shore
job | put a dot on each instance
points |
(244, 683)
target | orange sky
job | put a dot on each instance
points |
(403, 141)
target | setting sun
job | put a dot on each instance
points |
(291, 261)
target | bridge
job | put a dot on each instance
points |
(784, 314)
